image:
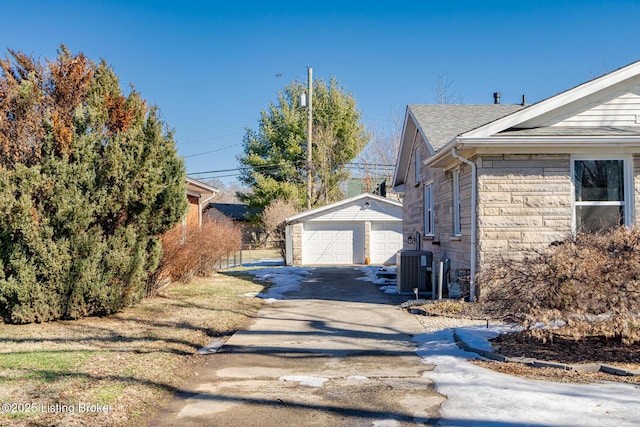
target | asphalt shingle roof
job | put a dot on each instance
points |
(440, 123)
(235, 211)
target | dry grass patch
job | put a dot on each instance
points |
(259, 254)
(455, 308)
(130, 363)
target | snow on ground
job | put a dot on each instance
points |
(481, 397)
(284, 279)
(387, 286)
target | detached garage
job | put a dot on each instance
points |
(346, 232)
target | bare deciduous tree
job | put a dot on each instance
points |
(443, 91)
(273, 219)
(376, 162)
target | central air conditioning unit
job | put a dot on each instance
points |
(414, 270)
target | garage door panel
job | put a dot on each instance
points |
(386, 240)
(329, 243)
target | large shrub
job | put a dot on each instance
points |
(194, 251)
(89, 179)
(583, 286)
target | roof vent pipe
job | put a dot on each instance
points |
(524, 100)
(496, 97)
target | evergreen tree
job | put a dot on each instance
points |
(89, 179)
(274, 156)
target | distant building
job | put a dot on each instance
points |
(199, 194)
(355, 186)
(238, 214)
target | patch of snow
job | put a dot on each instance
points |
(479, 397)
(357, 377)
(385, 423)
(478, 336)
(371, 276)
(389, 289)
(306, 380)
(284, 279)
(212, 347)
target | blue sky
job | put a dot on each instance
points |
(211, 66)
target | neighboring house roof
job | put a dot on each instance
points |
(235, 211)
(202, 193)
(197, 188)
(361, 197)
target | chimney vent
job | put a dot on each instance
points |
(496, 97)
(524, 100)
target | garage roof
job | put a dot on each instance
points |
(364, 197)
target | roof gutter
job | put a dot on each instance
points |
(474, 222)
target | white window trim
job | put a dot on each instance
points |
(628, 203)
(457, 227)
(429, 214)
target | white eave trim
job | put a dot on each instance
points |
(540, 141)
(199, 185)
(538, 144)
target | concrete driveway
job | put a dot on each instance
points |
(338, 352)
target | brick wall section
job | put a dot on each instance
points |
(193, 215)
(524, 203)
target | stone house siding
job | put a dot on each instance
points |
(296, 236)
(443, 244)
(412, 205)
(455, 248)
(524, 203)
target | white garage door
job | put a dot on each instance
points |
(331, 243)
(386, 240)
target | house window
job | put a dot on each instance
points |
(428, 210)
(601, 193)
(417, 167)
(456, 202)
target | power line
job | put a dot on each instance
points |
(211, 151)
(273, 165)
(193, 141)
(269, 165)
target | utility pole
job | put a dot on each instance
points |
(309, 137)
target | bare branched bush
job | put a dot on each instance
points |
(273, 220)
(588, 285)
(194, 251)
